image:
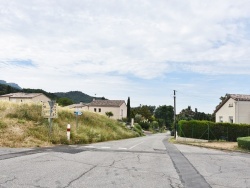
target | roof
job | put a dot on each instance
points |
(240, 97)
(77, 105)
(110, 103)
(237, 97)
(21, 95)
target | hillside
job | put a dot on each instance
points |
(4, 89)
(76, 96)
(14, 85)
(21, 125)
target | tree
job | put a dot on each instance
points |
(189, 114)
(165, 115)
(8, 89)
(145, 111)
(109, 114)
(64, 101)
(128, 110)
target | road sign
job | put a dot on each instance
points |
(78, 113)
(49, 110)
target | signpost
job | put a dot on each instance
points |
(77, 113)
(49, 110)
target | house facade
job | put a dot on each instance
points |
(234, 109)
(25, 97)
(117, 107)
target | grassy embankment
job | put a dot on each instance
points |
(21, 125)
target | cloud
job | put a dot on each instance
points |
(125, 37)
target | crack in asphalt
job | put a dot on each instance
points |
(9, 180)
(81, 175)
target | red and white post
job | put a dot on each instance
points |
(68, 132)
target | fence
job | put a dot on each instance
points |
(212, 131)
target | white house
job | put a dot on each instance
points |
(234, 109)
(117, 107)
(25, 97)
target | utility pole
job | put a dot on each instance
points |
(175, 133)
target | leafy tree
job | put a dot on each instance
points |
(128, 110)
(145, 111)
(189, 114)
(64, 101)
(109, 114)
(165, 115)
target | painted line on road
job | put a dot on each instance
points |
(88, 146)
(136, 145)
(123, 148)
(105, 147)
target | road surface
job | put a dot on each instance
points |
(148, 161)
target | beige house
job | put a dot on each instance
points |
(234, 109)
(117, 107)
(25, 97)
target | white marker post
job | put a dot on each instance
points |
(132, 122)
(68, 132)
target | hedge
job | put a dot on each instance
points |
(212, 131)
(244, 142)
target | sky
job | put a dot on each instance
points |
(142, 49)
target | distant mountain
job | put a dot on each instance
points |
(76, 96)
(14, 85)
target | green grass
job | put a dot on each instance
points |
(22, 125)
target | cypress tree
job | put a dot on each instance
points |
(128, 110)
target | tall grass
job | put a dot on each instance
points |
(21, 125)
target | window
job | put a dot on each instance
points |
(231, 119)
(230, 105)
(221, 119)
(122, 112)
(94, 109)
(100, 110)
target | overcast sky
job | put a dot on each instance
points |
(144, 49)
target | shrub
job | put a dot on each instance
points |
(244, 142)
(3, 125)
(212, 131)
(144, 124)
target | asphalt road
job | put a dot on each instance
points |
(139, 162)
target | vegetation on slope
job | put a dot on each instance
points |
(21, 125)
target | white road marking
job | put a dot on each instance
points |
(105, 147)
(88, 146)
(136, 145)
(123, 148)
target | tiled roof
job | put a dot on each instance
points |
(237, 97)
(22, 95)
(113, 103)
(240, 97)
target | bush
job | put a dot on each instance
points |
(137, 128)
(244, 142)
(145, 125)
(212, 131)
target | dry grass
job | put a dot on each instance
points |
(21, 125)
